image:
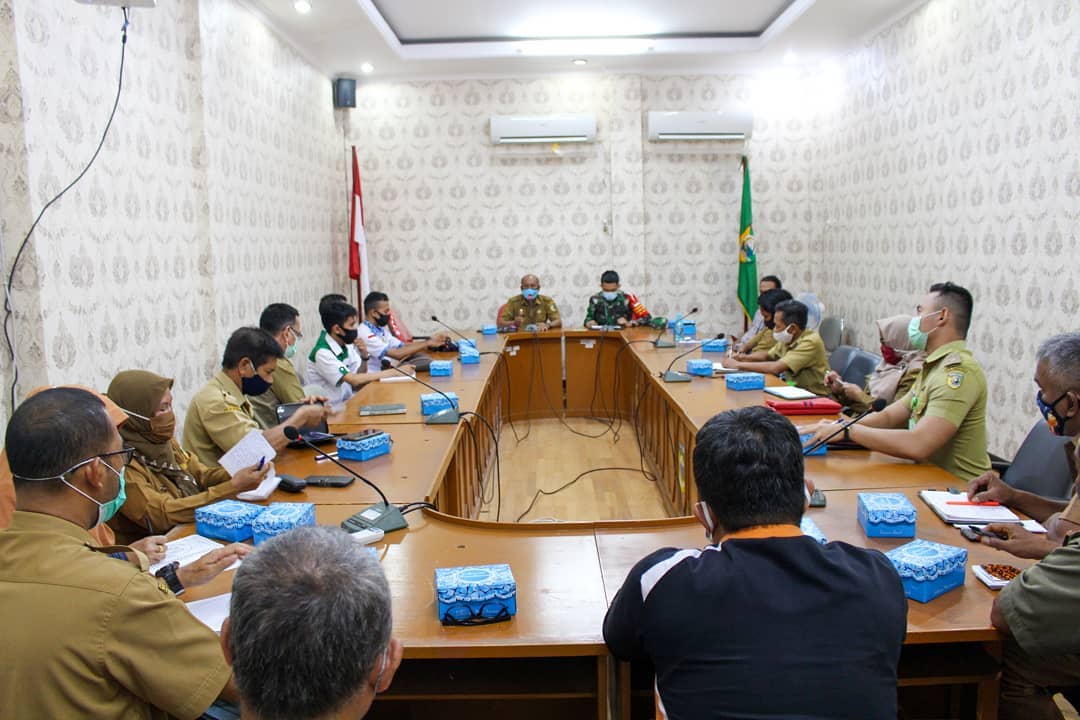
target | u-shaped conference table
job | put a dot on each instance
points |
(551, 659)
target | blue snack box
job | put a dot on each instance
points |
(719, 345)
(887, 515)
(364, 448)
(474, 592)
(489, 329)
(228, 520)
(689, 328)
(701, 368)
(823, 450)
(441, 368)
(468, 354)
(928, 569)
(466, 342)
(809, 527)
(745, 381)
(431, 403)
(278, 518)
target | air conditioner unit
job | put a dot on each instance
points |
(734, 125)
(564, 128)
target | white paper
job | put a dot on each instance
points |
(397, 378)
(187, 550)
(719, 369)
(249, 451)
(939, 500)
(1033, 526)
(787, 392)
(212, 611)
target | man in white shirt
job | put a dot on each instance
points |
(334, 364)
(381, 343)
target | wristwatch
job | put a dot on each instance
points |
(168, 574)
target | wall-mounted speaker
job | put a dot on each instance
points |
(344, 93)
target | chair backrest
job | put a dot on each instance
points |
(814, 309)
(499, 314)
(862, 363)
(398, 329)
(1040, 465)
(841, 356)
(831, 331)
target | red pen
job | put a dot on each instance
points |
(988, 503)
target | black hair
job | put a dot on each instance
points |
(958, 300)
(337, 314)
(748, 467)
(54, 430)
(329, 299)
(774, 280)
(769, 299)
(794, 312)
(277, 316)
(372, 299)
(609, 276)
(252, 343)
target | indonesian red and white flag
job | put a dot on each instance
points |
(358, 256)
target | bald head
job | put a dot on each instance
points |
(530, 281)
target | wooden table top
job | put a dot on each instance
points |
(408, 473)
(561, 600)
(961, 615)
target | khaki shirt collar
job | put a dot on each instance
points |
(40, 522)
(230, 387)
(946, 349)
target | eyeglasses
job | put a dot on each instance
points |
(127, 453)
(465, 615)
(299, 335)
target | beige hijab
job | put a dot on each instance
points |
(882, 383)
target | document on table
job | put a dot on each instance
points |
(187, 550)
(961, 511)
(789, 392)
(397, 378)
(246, 453)
(212, 611)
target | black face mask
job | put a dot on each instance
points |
(349, 336)
(770, 324)
(382, 320)
(253, 386)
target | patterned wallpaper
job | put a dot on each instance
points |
(219, 189)
(954, 156)
(453, 222)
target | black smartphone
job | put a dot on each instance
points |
(969, 533)
(817, 499)
(338, 481)
(982, 532)
(291, 483)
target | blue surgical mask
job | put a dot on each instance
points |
(106, 510)
(609, 296)
(530, 293)
(915, 334)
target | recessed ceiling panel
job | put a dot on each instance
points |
(439, 21)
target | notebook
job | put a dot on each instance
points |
(939, 500)
(789, 392)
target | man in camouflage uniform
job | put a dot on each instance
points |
(612, 306)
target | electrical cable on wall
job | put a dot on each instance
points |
(9, 307)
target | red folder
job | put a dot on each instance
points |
(817, 406)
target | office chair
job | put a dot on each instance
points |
(1040, 465)
(862, 363)
(831, 331)
(841, 356)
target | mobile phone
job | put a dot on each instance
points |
(817, 499)
(291, 483)
(338, 481)
(969, 533)
(982, 532)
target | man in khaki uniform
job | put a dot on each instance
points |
(220, 415)
(763, 340)
(942, 419)
(530, 308)
(798, 355)
(282, 322)
(1037, 610)
(86, 635)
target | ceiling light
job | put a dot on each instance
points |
(580, 61)
(302, 6)
(367, 68)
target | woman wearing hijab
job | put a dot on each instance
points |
(892, 378)
(164, 483)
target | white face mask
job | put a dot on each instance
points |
(783, 336)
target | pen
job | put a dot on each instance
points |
(988, 503)
(262, 461)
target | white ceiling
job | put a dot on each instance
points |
(409, 39)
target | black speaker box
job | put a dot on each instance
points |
(344, 93)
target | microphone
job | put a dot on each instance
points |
(383, 515)
(670, 375)
(446, 416)
(437, 320)
(878, 405)
(660, 343)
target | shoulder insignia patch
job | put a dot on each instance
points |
(954, 358)
(954, 379)
(233, 408)
(163, 586)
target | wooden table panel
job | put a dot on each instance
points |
(534, 383)
(594, 361)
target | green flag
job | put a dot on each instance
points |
(747, 260)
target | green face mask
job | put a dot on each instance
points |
(917, 337)
(107, 510)
(290, 351)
